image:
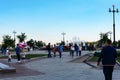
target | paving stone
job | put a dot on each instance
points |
(62, 69)
(6, 69)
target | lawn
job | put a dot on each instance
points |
(96, 54)
(28, 56)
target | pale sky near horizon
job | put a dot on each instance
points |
(46, 19)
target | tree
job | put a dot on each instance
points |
(63, 43)
(22, 37)
(40, 44)
(31, 43)
(103, 38)
(8, 41)
(35, 44)
(119, 44)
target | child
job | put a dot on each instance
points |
(9, 57)
(23, 55)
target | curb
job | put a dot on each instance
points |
(86, 61)
(117, 62)
(6, 69)
(79, 58)
(89, 55)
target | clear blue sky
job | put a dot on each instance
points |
(46, 19)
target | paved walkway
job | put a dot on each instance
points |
(62, 69)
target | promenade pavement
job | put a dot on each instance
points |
(62, 69)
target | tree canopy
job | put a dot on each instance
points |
(22, 37)
(8, 41)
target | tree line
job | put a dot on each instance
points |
(8, 41)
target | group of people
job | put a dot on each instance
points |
(19, 53)
(58, 49)
(72, 48)
(75, 48)
(108, 56)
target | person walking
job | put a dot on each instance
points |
(23, 54)
(54, 50)
(9, 57)
(108, 56)
(49, 50)
(76, 49)
(5, 50)
(60, 48)
(80, 50)
(18, 51)
(72, 50)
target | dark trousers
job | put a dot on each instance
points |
(60, 54)
(18, 57)
(79, 53)
(54, 54)
(9, 60)
(108, 70)
(49, 54)
(72, 53)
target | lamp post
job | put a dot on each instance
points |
(110, 34)
(113, 11)
(63, 36)
(14, 32)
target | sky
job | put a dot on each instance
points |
(46, 19)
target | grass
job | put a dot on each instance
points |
(96, 54)
(28, 56)
(94, 59)
(118, 59)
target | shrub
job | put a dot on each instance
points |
(97, 54)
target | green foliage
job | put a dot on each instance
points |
(119, 44)
(94, 58)
(34, 43)
(8, 41)
(118, 53)
(103, 38)
(40, 44)
(30, 43)
(96, 55)
(28, 56)
(22, 37)
(62, 43)
(118, 59)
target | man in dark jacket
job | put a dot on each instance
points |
(18, 51)
(108, 56)
(49, 50)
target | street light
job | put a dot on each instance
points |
(110, 34)
(113, 11)
(63, 36)
(14, 32)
